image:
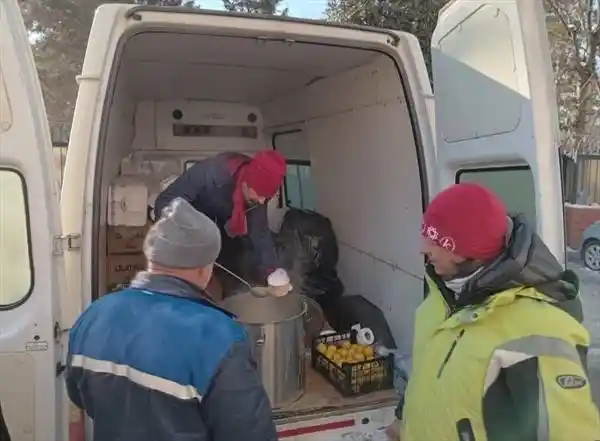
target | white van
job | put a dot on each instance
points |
(350, 107)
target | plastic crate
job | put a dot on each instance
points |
(356, 378)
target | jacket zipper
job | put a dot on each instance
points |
(447, 295)
(450, 352)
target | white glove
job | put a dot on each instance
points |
(279, 283)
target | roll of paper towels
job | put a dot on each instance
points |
(364, 336)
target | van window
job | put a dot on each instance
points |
(299, 186)
(514, 185)
(16, 277)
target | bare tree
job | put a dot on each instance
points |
(418, 17)
(265, 7)
(574, 30)
(59, 31)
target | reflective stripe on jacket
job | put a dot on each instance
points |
(508, 369)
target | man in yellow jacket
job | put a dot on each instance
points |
(499, 350)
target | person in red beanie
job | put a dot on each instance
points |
(232, 189)
(499, 350)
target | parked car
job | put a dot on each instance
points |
(590, 246)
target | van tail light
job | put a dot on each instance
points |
(313, 429)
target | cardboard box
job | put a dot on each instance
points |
(126, 240)
(121, 268)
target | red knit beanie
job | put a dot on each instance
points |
(264, 173)
(468, 220)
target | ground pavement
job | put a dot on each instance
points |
(590, 296)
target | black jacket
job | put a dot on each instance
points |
(525, 261)
(208, 186)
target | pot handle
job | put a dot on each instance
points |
(305, 317)
(258, 345)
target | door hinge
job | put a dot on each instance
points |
(66, 242)
(59, 331)
(60, 368)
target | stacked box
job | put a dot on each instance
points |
(125, 255)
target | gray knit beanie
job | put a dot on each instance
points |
(182, 238)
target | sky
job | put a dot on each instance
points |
(297, 8)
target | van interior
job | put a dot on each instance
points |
(340, 116)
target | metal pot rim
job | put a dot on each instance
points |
(287, 319)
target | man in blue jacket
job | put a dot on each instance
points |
(159, 361)
(232, 189)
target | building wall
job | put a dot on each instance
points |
(578, 218)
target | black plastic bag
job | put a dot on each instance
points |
(342, 314)
(308, 249)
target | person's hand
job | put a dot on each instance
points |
(278, 283)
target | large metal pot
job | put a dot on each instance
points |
(275, 327)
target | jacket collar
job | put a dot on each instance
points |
(174, 286)
(474, 313)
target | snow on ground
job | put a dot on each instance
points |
(594, 205)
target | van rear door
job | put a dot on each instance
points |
(495, 108)
(31, 390)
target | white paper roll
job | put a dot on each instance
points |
(356, 327)
(365, 336)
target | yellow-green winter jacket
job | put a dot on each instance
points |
(504, 359)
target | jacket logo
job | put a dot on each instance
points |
(432, 233)
(571, 381)
(447, 243)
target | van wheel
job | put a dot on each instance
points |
(591, 254)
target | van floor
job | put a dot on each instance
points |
(321, 398)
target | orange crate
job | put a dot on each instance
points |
(356, 378)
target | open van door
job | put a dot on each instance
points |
(495, 108)
(31, 387)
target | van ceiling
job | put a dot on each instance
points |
(166, 66)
